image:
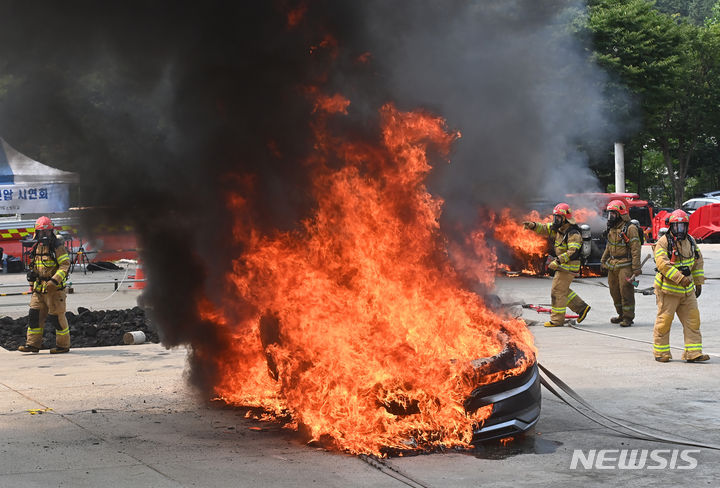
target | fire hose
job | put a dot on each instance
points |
(540, 309)
(611, 423)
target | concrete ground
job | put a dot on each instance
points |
(124, 417)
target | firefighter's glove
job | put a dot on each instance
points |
(686, 281)
(31, 276)
(603, 265)
(698, 290)
(637, 272)
(528, 225)
(51, 286)
(553, 265)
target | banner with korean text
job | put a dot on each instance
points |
(34, 198)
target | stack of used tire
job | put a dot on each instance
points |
(88, 328)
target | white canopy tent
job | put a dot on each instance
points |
(27, 186)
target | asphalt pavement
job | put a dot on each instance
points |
(124, 416)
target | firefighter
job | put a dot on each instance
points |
(678, 283)
(49, 265)
(622, 260)
(566, 245)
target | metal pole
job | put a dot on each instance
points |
(619, 168)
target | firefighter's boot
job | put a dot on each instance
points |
(583, 314)
(702, 357)
(550, 324)
(59, 350)
(662, 359)
(28, 348)
(616, 320)
(626, 323)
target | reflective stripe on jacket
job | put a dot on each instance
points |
(563, 248)
(618, 253)
(669, 275)
(48, 268)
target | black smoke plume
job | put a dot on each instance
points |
(165, 108)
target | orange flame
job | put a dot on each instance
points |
(296, 15)
(526, 248)
(582, 215)
(363, 58)
(522, 241)
(360, 329)
(334, 104)
(329, 43)
(506, 440)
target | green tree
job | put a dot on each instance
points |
(674, 7)
(696, 11)
(671, 66)
(714, 17)
(701, 10)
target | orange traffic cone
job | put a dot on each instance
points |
(139, 275)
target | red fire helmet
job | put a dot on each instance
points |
(619, 206)
(562, 209)
(678, 216)
(43, 223)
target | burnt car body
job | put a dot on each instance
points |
(516, 400)
(516, 404)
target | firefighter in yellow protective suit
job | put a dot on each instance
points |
(622, 260)
(567, 242)
(678, 283)
(49, 265)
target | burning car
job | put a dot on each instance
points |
(514, 400)
(358, 327)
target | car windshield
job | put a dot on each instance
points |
(696, 203)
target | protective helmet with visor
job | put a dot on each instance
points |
(44, 230)
(615, 209)
(679, 223)
(561, 213)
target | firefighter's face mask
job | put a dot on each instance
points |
(558, 221)
(613, 218)
(679, 229)
(43, 236)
